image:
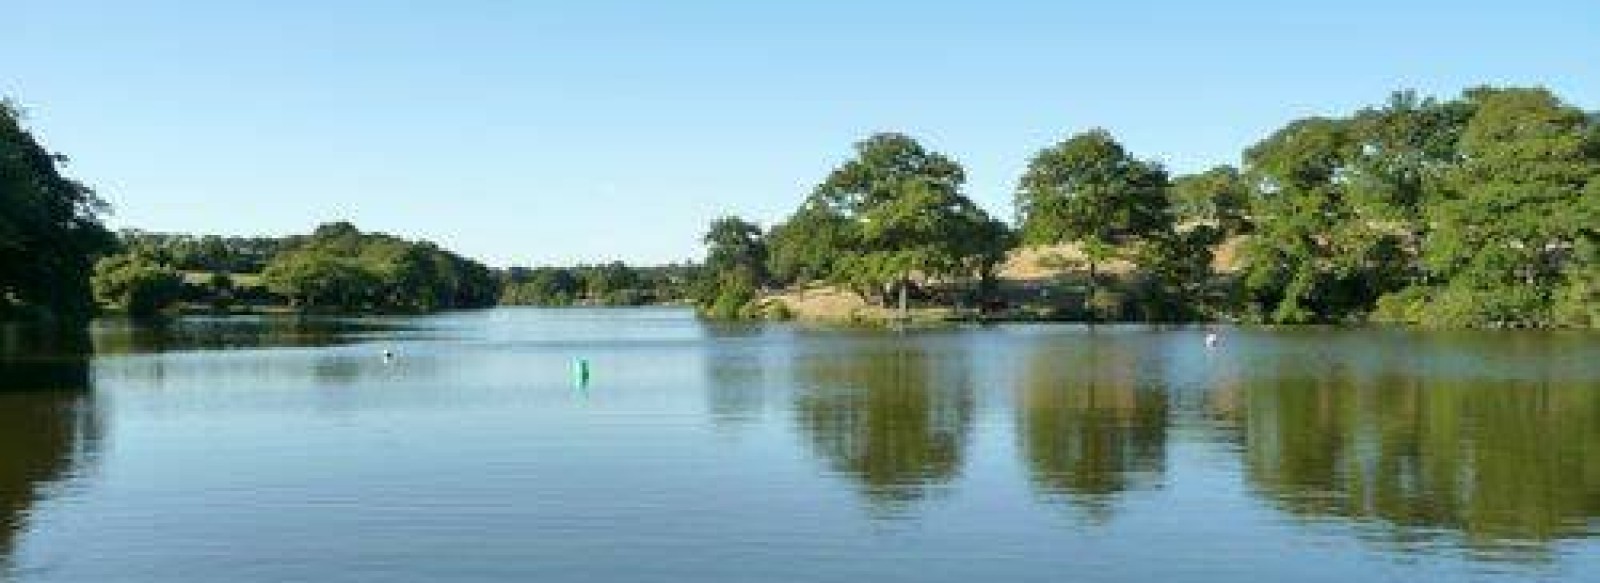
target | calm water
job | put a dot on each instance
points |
(276, 450)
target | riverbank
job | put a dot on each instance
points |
(1046, 283)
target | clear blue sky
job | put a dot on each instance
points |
(544, 132)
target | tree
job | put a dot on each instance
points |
(321, 281)
(50, 231)
(810, 245)
(610, 283)
(1218, 197)
(136, 285)
(544, 286)
(904, 219)
(1323, 247)
(1519, 206)
(735, 267)
(1173, 282)
(734, 244)
(1090, 191)
(340, 268)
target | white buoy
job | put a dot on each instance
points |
(1212, 340)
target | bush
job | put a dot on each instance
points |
(778, 310)
(1407, 306)
(1106, 304)
(136, 284)
(1577, 303)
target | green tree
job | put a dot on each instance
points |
(544, 286)
(734, 244)
(1090, 191)
(908, 219)
(735, 267)
(1520, 204)
(1322, 249)
(1219, 197)
(613, 283)
(811, 244)
(50, 231)
(339, 268)
(136, 285)
(1174, 281)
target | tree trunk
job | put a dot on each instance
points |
(1094, 286)
(905, 283)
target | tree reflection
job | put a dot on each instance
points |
(47, 426)
(1088, 431)
(1497, 464)
(736, 370)
(888, 416)
(202, 333)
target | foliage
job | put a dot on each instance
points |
(735, 268)
(735, 244)
(209, 253)
(896, 215)
(50, 231)
(810, 244)
(1334, 210)
(1479, 210)
(1088, 189)
(729, 297)
(136, 284)
(605, 284)
(1218, 197)
(339, 268)
(1516, 207)
(1174, 281)
(1470, 212)
(892, 218)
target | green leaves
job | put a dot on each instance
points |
(50, 231)
(1517, 205)
(1088, 188)
(893, 214)
(339, 268)
(1458, 213)
(735, 244)
(1218, 197)
(136, 284)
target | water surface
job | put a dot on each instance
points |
(280, 449)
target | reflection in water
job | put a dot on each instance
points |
(736, 377)
(47, 429)
(887, 415)
(1495, 464)
(1088, 429)
(217, 333)
(1260, 459)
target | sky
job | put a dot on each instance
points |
(532, 133)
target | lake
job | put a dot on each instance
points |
(281, 449)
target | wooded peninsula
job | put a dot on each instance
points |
(1481, 210)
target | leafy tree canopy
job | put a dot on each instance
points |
(50, 231)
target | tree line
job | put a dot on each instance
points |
(605, 284)
(1479, 210)
(337, 269)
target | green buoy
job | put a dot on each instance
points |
(580, 372)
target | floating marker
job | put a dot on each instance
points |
(580, 372)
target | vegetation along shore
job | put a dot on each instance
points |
(1481, 210)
